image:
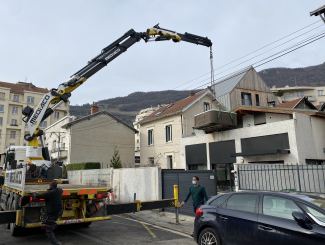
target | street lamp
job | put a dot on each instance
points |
(320, 11)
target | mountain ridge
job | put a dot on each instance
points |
(126, 107)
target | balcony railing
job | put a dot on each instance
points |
(213, 120)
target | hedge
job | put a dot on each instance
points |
(83, 166)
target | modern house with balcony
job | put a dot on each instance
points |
(244, 88)
(262, 135)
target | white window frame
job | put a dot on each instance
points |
(206, 106)
(169, 134)
(14, 110)
(150, 141)
(13, 134)
(56, 115)
(14, 122)
(30, 100)
(320, 92)
(2, 95)
(15, 97)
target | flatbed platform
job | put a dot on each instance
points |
(67, 189)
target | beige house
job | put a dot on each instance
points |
(93, 138)
(13, 98)
(245, 88)
(161, 131)
(316, 95)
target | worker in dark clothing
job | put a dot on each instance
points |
(198, 193)
(53, 203)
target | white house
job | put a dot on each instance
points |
(161, 132)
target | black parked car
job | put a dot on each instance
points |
(264, 218)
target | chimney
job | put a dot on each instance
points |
(94, 108)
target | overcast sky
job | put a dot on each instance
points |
(45, 42)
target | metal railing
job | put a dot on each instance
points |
(281, 177)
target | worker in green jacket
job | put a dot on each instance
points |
(198, 193)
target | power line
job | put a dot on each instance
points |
(254, 51)
(278, 55)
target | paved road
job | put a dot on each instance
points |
(119, 230)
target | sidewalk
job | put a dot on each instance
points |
(166, 220)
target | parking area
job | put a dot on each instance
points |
(119, 230)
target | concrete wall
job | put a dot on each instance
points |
(91, 177)
(145, 182)
(95, 139)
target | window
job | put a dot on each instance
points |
(242, 202)
(14, 110)
(13, 122)
(56, 115)
(217, 202)
(30, 100)
(2, 108)
(2, 96)
(1, 121)
(320, 92)
(15, 97)
(151, 160)
(168, 132)
(169, 162)
(206, 106)
(279, 207)
(43, 124)
(316, 214)
(150, 137)
(12, 134)
(257, 99)
(246, 99)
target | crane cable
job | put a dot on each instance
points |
(212, 71)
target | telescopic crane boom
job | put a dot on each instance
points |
(56, 96)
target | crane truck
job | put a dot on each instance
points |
(28, 169)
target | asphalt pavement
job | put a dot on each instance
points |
(119, 230)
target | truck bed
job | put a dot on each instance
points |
(67, 189)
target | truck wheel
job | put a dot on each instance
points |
(85, 224)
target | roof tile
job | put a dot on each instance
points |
(21, 87)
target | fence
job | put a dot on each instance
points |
(280, 177)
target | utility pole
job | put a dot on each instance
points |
(320, 11)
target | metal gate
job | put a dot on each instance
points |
(183, 179)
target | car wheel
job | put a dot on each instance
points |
(208, 236)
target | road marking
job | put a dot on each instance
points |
(91, 238)
(149, 231)
(157, 227)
